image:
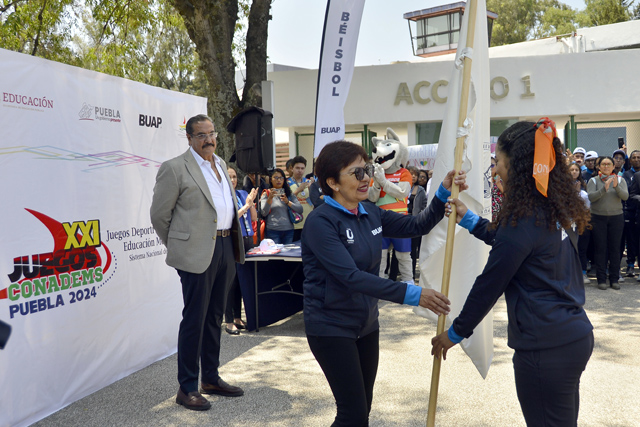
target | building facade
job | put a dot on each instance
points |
(586, 82)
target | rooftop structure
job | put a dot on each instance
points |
(437, 29)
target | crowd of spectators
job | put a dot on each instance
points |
(305, 188)
(608, 186)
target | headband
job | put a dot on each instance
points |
(544, 157)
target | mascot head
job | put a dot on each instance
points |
(390, 153)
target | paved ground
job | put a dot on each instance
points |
(285, 387)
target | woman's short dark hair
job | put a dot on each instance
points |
(334, 157)
(285, 184)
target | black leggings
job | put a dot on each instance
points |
(233, 309)
(607, 233)
(415, 253)
(583, 246)
(350, 365)
(548, 382)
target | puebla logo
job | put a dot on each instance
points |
(73, 272)
(91, 113)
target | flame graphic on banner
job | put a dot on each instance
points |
(60, 238)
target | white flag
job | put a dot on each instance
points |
(337, 57)
(470, 254)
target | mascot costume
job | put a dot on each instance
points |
(389, 189)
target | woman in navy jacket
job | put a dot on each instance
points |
(341, 246)
(534, 261)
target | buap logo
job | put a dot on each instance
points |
(79, 259)
(149, 121)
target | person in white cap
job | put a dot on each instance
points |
(590, 165)
(578, 157)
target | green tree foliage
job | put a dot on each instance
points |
(521, 20)
(556, 18)
(140, 40)
(38, 27)
(516, 20)
(603, 12)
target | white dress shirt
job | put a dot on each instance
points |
(220, 190)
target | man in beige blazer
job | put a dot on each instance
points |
(195, 214)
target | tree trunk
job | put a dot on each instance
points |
(211, 25)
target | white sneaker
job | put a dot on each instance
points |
(586, 279)
(621, 279)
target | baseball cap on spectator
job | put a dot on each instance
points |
(591, 155)
(619, 152)
(579, 150)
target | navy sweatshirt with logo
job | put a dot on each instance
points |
(539, 272)
(341, 258)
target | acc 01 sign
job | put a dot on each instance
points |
(71, 273)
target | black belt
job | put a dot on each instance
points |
(224, 233)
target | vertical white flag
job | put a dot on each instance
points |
(470, 254)
(337, 57)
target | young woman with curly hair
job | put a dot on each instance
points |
(534, 262)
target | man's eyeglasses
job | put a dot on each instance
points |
(360, 171)
(205, 136)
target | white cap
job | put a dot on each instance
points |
(267, 244)
(579, 150)
(591, 155)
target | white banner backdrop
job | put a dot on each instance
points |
(83, 281)
(338, 55)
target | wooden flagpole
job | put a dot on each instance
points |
(471, 9)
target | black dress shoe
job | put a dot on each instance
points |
(231, 331)
(222, 389)
(241, 324)
(193, 401)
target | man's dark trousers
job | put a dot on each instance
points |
(204, 298)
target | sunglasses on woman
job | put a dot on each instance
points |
(360, 171)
